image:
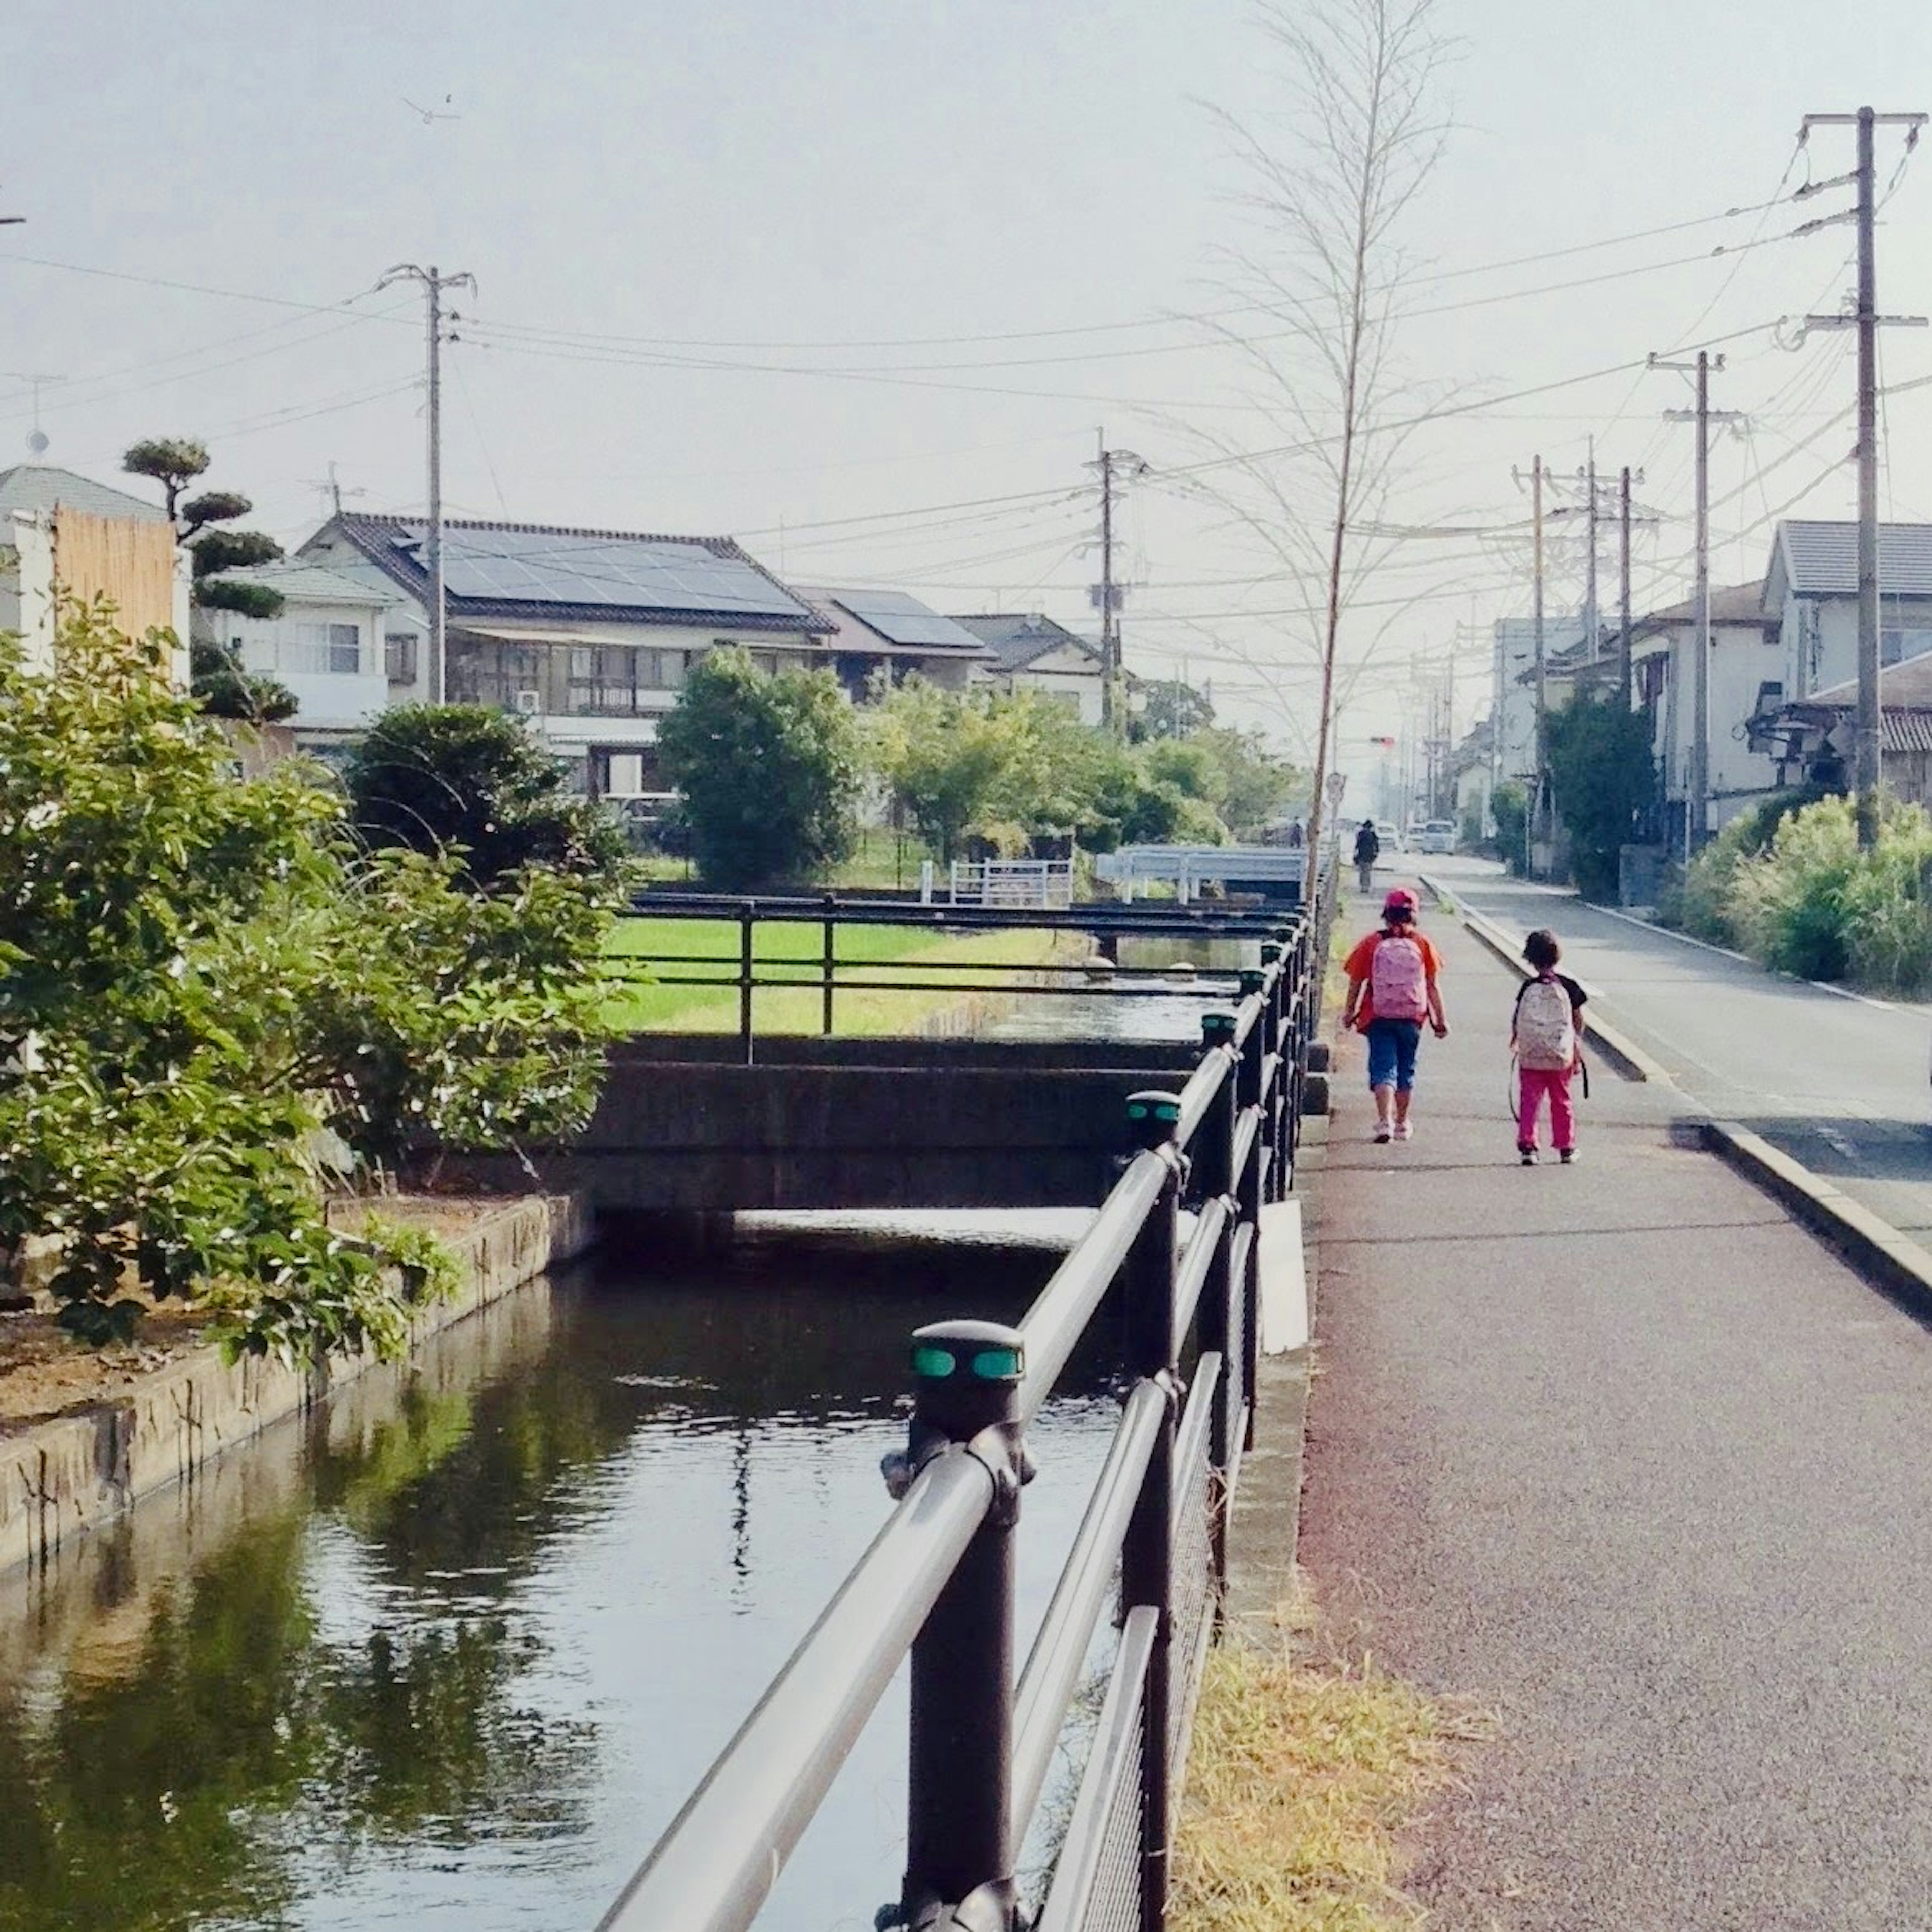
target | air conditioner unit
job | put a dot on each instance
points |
(528, 704)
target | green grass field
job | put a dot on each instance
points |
(710, 947)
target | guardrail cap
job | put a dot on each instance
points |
(985, 1351)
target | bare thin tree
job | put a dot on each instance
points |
(1329, 176)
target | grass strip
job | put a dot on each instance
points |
(1303, 1776)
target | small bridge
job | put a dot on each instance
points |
(711, 1122)
(1219, 1136)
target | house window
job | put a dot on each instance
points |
(1895, 646)
(605, 678)
(399, 657)
(510, 676)
(316, 650)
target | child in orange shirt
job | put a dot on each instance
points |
(1393, 989)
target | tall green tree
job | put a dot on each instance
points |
(1604, 777)
(1171, 708)
(174, 462)
(769, 768)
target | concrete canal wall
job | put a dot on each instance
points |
(61, 1477)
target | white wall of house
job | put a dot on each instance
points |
(26, 585)
(329, 655)
(1818, 638)
(1743, 658)
(1069, 675)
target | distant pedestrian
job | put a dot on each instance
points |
(1368, 850)
(1394, 987)
(1546, 1037)
(1297, 837)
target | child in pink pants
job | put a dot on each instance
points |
(1532, 1037)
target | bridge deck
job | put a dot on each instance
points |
(1621, 1454)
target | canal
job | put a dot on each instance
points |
(450, 1651)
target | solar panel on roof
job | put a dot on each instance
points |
(904, 619)
(546, 567)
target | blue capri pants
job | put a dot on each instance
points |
(1392, 1044)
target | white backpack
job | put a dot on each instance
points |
(1398, 978)
(1546, 1028)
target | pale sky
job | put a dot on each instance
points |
(809, 196)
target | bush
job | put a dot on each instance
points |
(464, 780)
(207, 992)
(768, 767)
(1510, 805)
(1604, 777)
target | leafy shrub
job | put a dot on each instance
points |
(199, 975)
(1510, 805)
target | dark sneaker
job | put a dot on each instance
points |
(1567, 1156)
(1528, 1156)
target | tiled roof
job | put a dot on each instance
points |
(304, 583)
(552, 571)
(1821, 559)
(40, 486)
(1016, 641)
(1908, 682)
(1730, 604)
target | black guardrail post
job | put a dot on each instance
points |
(831, 929)
(1213, 1152)
(1146, 1556)
(747, 920)
(1276, 979)
(1248, 1204)
(959, 1842)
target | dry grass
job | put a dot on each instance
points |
(1303, 1774)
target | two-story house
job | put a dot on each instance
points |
(1811, 594)
(588, 634)
(1030, 651)
(1745, 678)
(886, 634)
(66, 535)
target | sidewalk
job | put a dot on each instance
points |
(1622, 1454)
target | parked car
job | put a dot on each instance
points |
(1437, 836)
(1392, 839)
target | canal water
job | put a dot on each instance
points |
(450, 1652)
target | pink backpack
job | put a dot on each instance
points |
(1398, 980)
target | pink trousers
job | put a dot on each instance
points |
(1537, 1082)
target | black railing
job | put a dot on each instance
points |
(742, 971)
(937, 1583)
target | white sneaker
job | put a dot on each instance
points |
(1403, 1131)
(1382, 1135)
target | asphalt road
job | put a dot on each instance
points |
(1620, 1455)
(1840, 1083)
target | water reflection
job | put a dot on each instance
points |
(451, 1651)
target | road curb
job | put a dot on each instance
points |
(1624, 1054)
(1894, 1262)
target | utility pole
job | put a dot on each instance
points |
(1539, 804)
(1624, 587)
(1698, 815)
(1108, 595)
(1592, 626)
(433, 283)
(1868, 764)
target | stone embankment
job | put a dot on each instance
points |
(63, 1476)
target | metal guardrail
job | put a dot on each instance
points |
(937, 1584)
(743, 971)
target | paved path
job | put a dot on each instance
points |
(1839, 1082)
(1619, 1452)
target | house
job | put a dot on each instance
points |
(65, 535)
(1811, 593)
(1814, 736)
(589, 634)
(1031, 653)
(1472, 775)
(1514, 663)
(1745, 679)
(332, 645)
(876, 633)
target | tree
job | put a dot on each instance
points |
(1509, 804)
(1603, 776)
(1330, 177)
(199, 975)
(227, 689)
(768, 767)
(466, 780)
(1171, 709)
(174, 462)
